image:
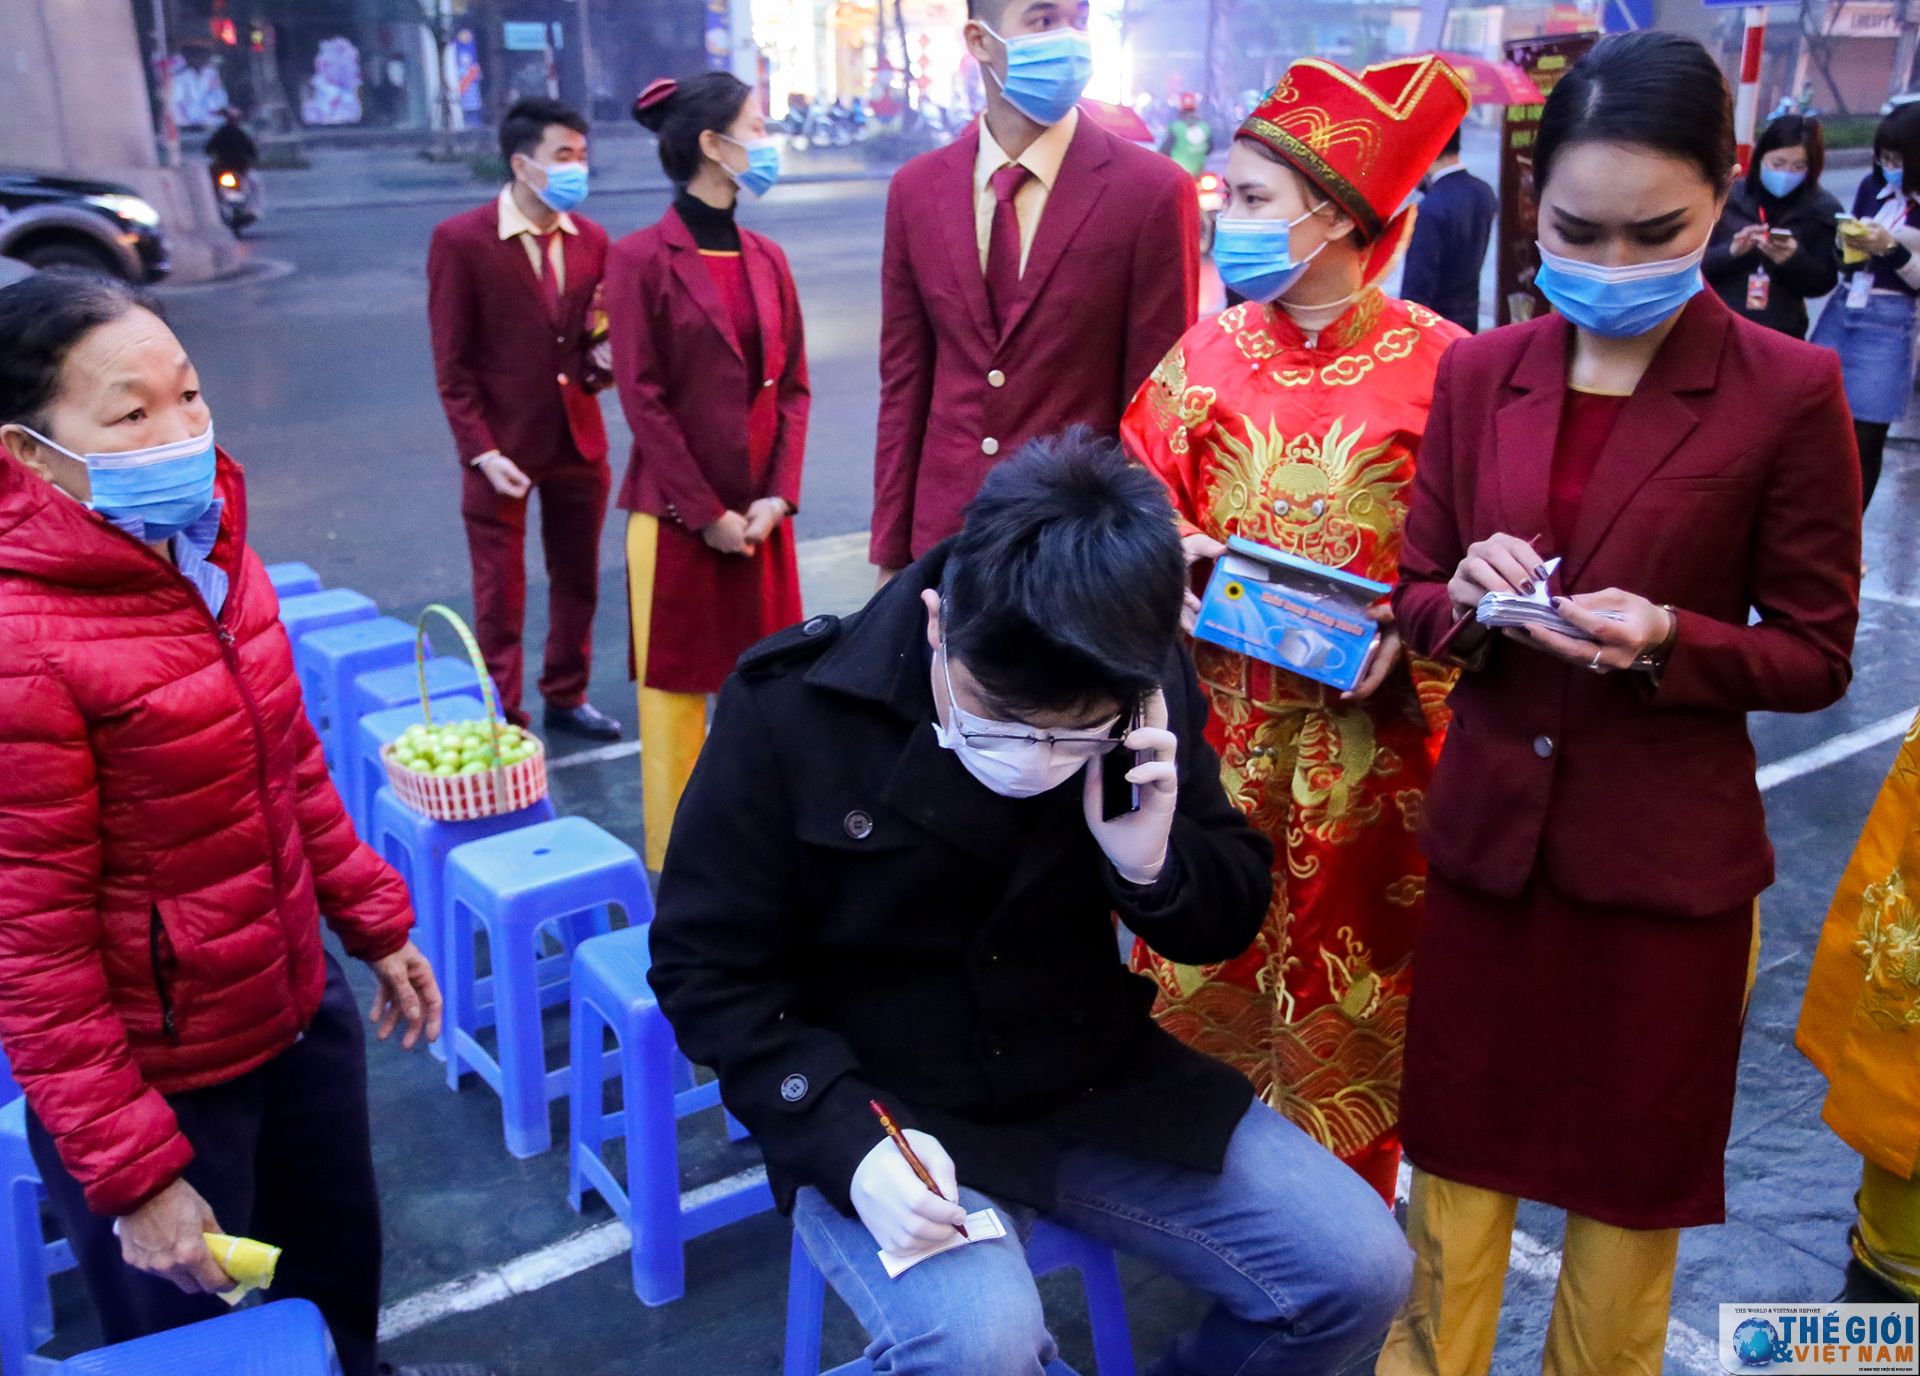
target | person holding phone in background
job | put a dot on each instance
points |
(710, 359)
(892, 882)
(1870, 324)
(1773, 249)
(1594, 829)
(1292, 420)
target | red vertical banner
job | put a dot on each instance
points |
(1746, 107)
(1545, 60)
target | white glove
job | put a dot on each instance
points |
(902, 1214)
(1136, 842)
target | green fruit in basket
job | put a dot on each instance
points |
(475, 768)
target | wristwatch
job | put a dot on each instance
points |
(1654, 659)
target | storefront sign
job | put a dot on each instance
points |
(529, 37)
(1545, 60)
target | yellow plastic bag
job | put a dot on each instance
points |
(250, 1263)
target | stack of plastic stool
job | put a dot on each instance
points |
(396, 686)
(364, 773)
(511, 886)
(329, 661)
(610, 993)
(1050, 1248)
(26, 1258)
(315, 611)
(291, 580)
(287, 1338)
(418, 846)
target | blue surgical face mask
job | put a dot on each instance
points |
(566, 185)
(166, 487)
(1046, 72)
(1255, 257)
(1891, 175)
(763, 165)
(1779, 182)
(1619, 302)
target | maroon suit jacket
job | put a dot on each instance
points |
(1111, 283)
(1730, 482)
(497, 354)
(683, 381)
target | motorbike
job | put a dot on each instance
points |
(1210, 189)
(233, 189)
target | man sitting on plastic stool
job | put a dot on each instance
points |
(893, 880)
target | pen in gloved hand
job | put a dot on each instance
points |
(913, 1162)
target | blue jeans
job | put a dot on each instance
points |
(1305, 1266)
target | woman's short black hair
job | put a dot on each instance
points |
(42, 318)
(1790, 131)
(528, 121)
(680, 112)
(1899, 134)
(1655, 90)
(1063, 589)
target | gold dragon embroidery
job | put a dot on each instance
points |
(1326, 499)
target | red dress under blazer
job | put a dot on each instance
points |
(498, 352)
(682, 374)
(1729, 482)
(1111, 283)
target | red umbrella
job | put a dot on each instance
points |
(1493, 83)
(1122, 120)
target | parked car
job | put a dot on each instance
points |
(51, 221)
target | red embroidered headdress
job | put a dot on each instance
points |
(1365, 140)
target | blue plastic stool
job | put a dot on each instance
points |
(26, 1257)
(418, 847)
(291, 580)
(328, 661)
(610, 992)
(364, 773)
(1050, 1248)
(513, 885)
(378, 689)
(287, 1338)
(315, 611)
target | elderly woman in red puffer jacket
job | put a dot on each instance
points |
(169, 839)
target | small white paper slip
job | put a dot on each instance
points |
(981, 1227)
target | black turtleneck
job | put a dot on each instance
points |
(713, 230)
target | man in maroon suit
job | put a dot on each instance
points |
(511, 289)
(1035, 271)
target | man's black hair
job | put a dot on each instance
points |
(1453, 143)
(1063, 589)
(42, 319)
(528, 121)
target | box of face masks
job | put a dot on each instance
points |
(1290, 612)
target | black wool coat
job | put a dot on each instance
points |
(846, 914)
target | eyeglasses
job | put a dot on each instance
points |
(1078, 745)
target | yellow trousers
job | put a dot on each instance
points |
(673, 726)
(1886, 1238)
(1609, 1308)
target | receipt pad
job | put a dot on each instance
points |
(981, 1227)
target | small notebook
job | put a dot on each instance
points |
(1517, 610)
(981, 1227)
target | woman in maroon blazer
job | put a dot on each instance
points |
(1594, 828)
(711, 367)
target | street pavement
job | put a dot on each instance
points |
(317, 368)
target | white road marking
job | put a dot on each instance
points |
(535, 1270)
(1895, 599)
(1832, 751)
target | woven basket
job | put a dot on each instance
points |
(465, 797)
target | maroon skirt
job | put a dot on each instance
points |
(1576, 1055)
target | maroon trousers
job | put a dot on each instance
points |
(573, 504)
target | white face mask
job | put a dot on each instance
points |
(1011, 758)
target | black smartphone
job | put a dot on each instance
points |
(1119, 796)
